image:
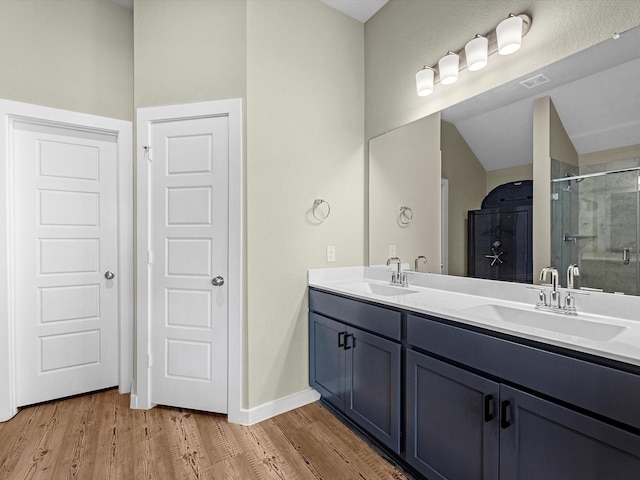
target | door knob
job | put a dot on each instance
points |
(109, 275)
(217, 282)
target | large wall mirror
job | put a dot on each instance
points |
(573, 128)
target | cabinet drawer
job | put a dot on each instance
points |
(380, 320)
(603, 390)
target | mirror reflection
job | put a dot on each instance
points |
(573, 123)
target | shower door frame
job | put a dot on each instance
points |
(635, 252)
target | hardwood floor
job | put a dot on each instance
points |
(97, 436)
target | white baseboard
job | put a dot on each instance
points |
(276, 407)
(264, 411)
(7, 414)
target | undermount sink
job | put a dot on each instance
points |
(558, 323)
(379, 289)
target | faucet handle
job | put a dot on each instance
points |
(542, 298)
(570, 304)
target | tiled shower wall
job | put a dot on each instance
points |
(601, 215)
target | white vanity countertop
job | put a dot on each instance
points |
(608, 325)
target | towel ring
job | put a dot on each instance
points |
(318, 215)
(406, 215)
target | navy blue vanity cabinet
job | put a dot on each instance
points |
(540, 439)
(357, 370)
(452, 421)
(489, 407)
(328, 359)
(373, 385)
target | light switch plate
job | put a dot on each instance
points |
(331, 253)
(392, 251)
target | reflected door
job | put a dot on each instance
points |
(608, 209)
(500, 244)
(596, 223)
(66, 311)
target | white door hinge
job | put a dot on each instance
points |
(149, 360)
(150, 257)
(147, 152)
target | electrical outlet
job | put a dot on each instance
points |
(392, 251)
(331, 253)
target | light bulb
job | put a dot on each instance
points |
(448, 67)
(424, 81)
(476, 51)
(509, 35)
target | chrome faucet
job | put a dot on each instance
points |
(554, 300)
(418, 258)
(399, 277)
(554, 303)
(572, 272)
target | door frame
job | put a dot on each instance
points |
(146, 117)
(11, 111)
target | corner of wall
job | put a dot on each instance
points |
(541, 183)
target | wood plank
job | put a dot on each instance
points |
(268, 460)
(151, 446)
(51, 433)
(233, 468)
(16, 433)
(77, 451)
(188, 454)
(115, 439)
(220, 437)
(349, 451)
(97, 436)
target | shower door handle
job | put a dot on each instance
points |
(626, 256)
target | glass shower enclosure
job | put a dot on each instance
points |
(595, 224)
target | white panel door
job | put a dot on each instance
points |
(189, 262)
(66, 234)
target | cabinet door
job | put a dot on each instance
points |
(327, 358)
(452, 421)
(373, 385)
(542, 440)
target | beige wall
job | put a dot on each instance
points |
(560, 146)
(505, 175)
(405, 35)
(467, 188)
(542, 113)
(404, 169)
(299, 68)
(69, 54)
(305, 130)
(613, 155)
(189, 51)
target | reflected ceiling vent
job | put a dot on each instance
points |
(536, 81)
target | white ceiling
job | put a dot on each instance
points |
(361, 10)
(596, 93)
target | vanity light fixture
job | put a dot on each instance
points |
(477, 52)
(506, 39)
(424, 81)
(509, 35)
(448, 66)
